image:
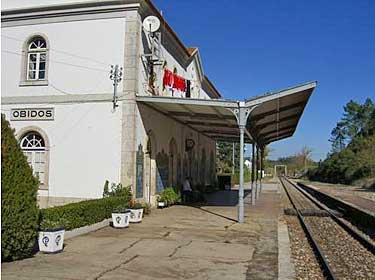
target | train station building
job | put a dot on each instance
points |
(160, 125)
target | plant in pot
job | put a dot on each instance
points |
(136, 212)
(146, 209)
(51, 236)
(162, 201)
(167, 197)
(120, 217)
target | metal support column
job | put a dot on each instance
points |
(257, 173)
(241, 188)
(253, 175)
(233, 158)
(261, 169)
(242, 113)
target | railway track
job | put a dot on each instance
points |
(342, 251)
(361, 218)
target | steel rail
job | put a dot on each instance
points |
(318, 251)
(360, 217)
(369, 245)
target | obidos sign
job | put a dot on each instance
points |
(32, 114)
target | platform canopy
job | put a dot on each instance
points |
(267, 118)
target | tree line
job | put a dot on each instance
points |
(352, 156)
(297, 164)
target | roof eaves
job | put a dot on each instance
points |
(213, 87)
(165, 23)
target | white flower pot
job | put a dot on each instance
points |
(121, 220)
(51, 241)
(136, 215)
(161, 204)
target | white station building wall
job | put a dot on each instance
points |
(79, 59)
(84, 138)
(188, 73)
(19, 4)
(84, 144)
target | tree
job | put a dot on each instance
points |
(357, 121)
(338, 138)
(302, 158)
(355, 160)
(351, 119)
(225, 157)
(266, 152)
(19, 211)
(366, 116)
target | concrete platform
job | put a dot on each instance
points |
(179, 242)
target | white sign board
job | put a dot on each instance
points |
(32, 114)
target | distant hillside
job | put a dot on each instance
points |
(352, 159)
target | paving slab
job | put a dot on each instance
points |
(180, 242)
(170, 269)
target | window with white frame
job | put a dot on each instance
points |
(33, 146)
(36, 59)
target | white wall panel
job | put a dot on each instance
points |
(85, 145)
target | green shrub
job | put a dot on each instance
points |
(79, 214)
(121, 209)
(19, 219)
(140, 205)
(117, 190)
(106, 189)
(146, 208)
(355, 162)
(246, 176)
(169, 196)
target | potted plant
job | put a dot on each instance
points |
(162, 203)
(136, 213)
(120, 217)
(51, 237)
(167, 197)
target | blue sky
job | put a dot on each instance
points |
(251, 47)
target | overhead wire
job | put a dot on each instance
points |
(61, 51)
(64, 63)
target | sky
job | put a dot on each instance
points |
(253, 47)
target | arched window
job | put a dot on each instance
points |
(36, 59)
(34, 148)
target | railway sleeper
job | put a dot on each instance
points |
(307, 212)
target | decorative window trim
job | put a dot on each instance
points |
(21, 133)
(28, 83)
(24, 81)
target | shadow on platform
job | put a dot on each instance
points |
(220, 199)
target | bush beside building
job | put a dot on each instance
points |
(19, 217)
(79, 214)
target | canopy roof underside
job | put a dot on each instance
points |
(273, 116)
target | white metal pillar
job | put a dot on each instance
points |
(233, 158)
(257, 173)
(253, 175)
(261, 169)
(242, 113)
(241, 211)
